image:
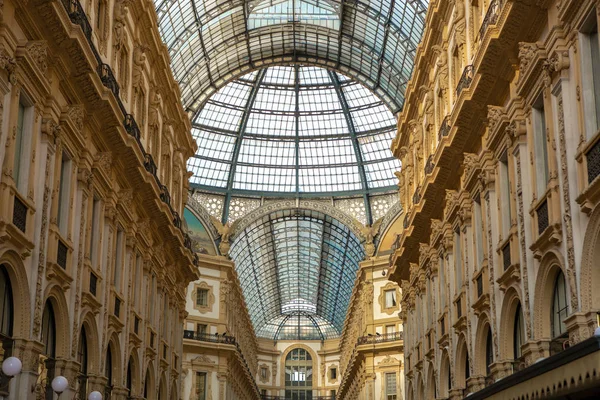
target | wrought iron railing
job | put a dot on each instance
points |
(506, 261)
(542, 217)
(518, 364)
(93, 283)
(207, 337)
(117, 307)
(417, 195)
(491, 17)
(444, 128)
(593, 162)
(465, 79)
(479, 285)
(77, 16)
(19, 214)
(429, 165)
(61, 254)
(377, 338)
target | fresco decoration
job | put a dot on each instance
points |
(202, 241)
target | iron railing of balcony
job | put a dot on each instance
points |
(207, 337)
(592, 158)
(429, 165)
(417, 195)
(465, 79)
(271, 397)
(542, 217)
(386, 337)
(77, 16)
(19, 214)
(491, 17)
(61, 254)
(506, 261)
(444, 128)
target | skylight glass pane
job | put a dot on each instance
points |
(378, 173)
(330, 179)
(208, 172)
(213, 145)
(260, 178)
(376, 147)
(268, 152)
(323, 152)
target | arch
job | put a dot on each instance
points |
(461, 364)
(288, 350)
(162, 389)
(445, 375)
(430, 384)
(83, 360)
(149, 385)
(114, 349)
(589, 276)
(420, 387)
(390, 225)
(290, 204)
(550, 266)
(510, 305)
(93, 341)
(173, 389)
(133, 378)
(480, 345)
(17, 275)
(56, 297)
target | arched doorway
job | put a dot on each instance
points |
(129, 381)
(298, 375)
(82, 359)
(48, 358)
(6, 313)
(108, 373)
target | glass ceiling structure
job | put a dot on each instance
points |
(294, 130)
(213, 41)
(297, 270)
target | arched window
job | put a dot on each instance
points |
(298, 375)
(129, 377)
(518, 334)
(82, 359)
(108, 370)
(147, 388)
(559, 306)
(49, 341)
(6, 312)
(489, 352)
(467, 367)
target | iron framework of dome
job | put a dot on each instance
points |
(297, 270)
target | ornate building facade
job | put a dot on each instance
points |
(94, 264)
(498, 254)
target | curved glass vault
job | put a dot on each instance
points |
(213, 41)
(294, 130)
(297, 271)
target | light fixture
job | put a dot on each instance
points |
(59, 384)
(95, 395)
(11, 366)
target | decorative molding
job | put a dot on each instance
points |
(381, 298)
(210, 297)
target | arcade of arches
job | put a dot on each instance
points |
(299, 199)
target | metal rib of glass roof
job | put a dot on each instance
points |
(213, 41)
(297, 270)
(294, 130)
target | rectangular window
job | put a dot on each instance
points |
(263, 373)
(505, 195)
(137, 280)
(201, 385)
(201, 329)
(390, 298)
(64, 193)
(458, 259)
(118, 260)
(333, 373)
(540, 147)
(590, 66)
(19, 145)
(478, 231)
(442, 291)
(390, 386)
(94, 236)
(202, 297)
(390, 329)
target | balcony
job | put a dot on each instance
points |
(444, 128)
(377, 338)
(207, 337)
(491, 17)
(465, 79)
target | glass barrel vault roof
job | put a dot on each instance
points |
(294, 130)
(297, 270)
(213, 41)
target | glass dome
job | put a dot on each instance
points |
(294, 130)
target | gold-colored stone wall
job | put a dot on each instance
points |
(94, 144)
(499, 148)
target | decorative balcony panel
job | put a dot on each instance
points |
(61, 254)
(542, 217)
(593, 162)
(465, 79)
(506, 256)
(444, 128)
(108, 78)
(491, 17)
(93, 283)
(19, 214)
